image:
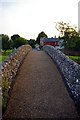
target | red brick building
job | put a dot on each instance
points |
(49, 41)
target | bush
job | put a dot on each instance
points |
(32, 43)
(19, 41)
(5, 93)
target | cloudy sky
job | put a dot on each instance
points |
(29, 17)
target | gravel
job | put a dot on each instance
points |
(39, 91)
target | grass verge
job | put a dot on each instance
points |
(75, 58)
(4, 55)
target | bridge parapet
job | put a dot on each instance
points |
(8, 70)
(69, 69)
(9, 67)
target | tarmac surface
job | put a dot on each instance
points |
(39, 91)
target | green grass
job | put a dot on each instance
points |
(75, 58)
(4, 55)
(2, 58)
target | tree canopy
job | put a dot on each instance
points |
(32, 42)
(70, 35)
(13, 37)
(20, 41)
(14, 42)
(63, 27)
(41, 35)
(5, 42)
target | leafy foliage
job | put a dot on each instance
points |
(4, 55)
(5, 90)
(70, 35)
(41, 35)
(32, 42)
(13, 37)
(20, 41)
(5, 42)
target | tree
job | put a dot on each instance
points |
(5, 42)
(70, 35)
(32, 42)
(20, 41)
(63, 27)
(41, 35)
(71, 39)
(13, 37)
(10, 44)
(1, 35)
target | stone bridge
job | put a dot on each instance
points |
(45, 84)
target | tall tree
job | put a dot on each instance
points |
(5, 42)
(13, 37)
(32, 42)
(20, 41)
(70, 35)
(63, 27)
(40, 35)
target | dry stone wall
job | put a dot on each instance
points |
(69, 69)
(9, 67)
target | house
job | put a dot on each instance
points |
(49, 41)
(56, 42)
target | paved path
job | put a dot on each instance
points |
(39, 91)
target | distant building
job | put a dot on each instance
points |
(49, 41)
(56, 42)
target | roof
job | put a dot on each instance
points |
(50, 39)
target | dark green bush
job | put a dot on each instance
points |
(5, 93)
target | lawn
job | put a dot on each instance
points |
(2, 58)
(75, 58)
(4, 55)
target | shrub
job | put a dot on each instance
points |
(5, 93)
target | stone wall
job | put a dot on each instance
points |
(69, 69)
(9, 67)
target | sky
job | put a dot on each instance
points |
(30, 17)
